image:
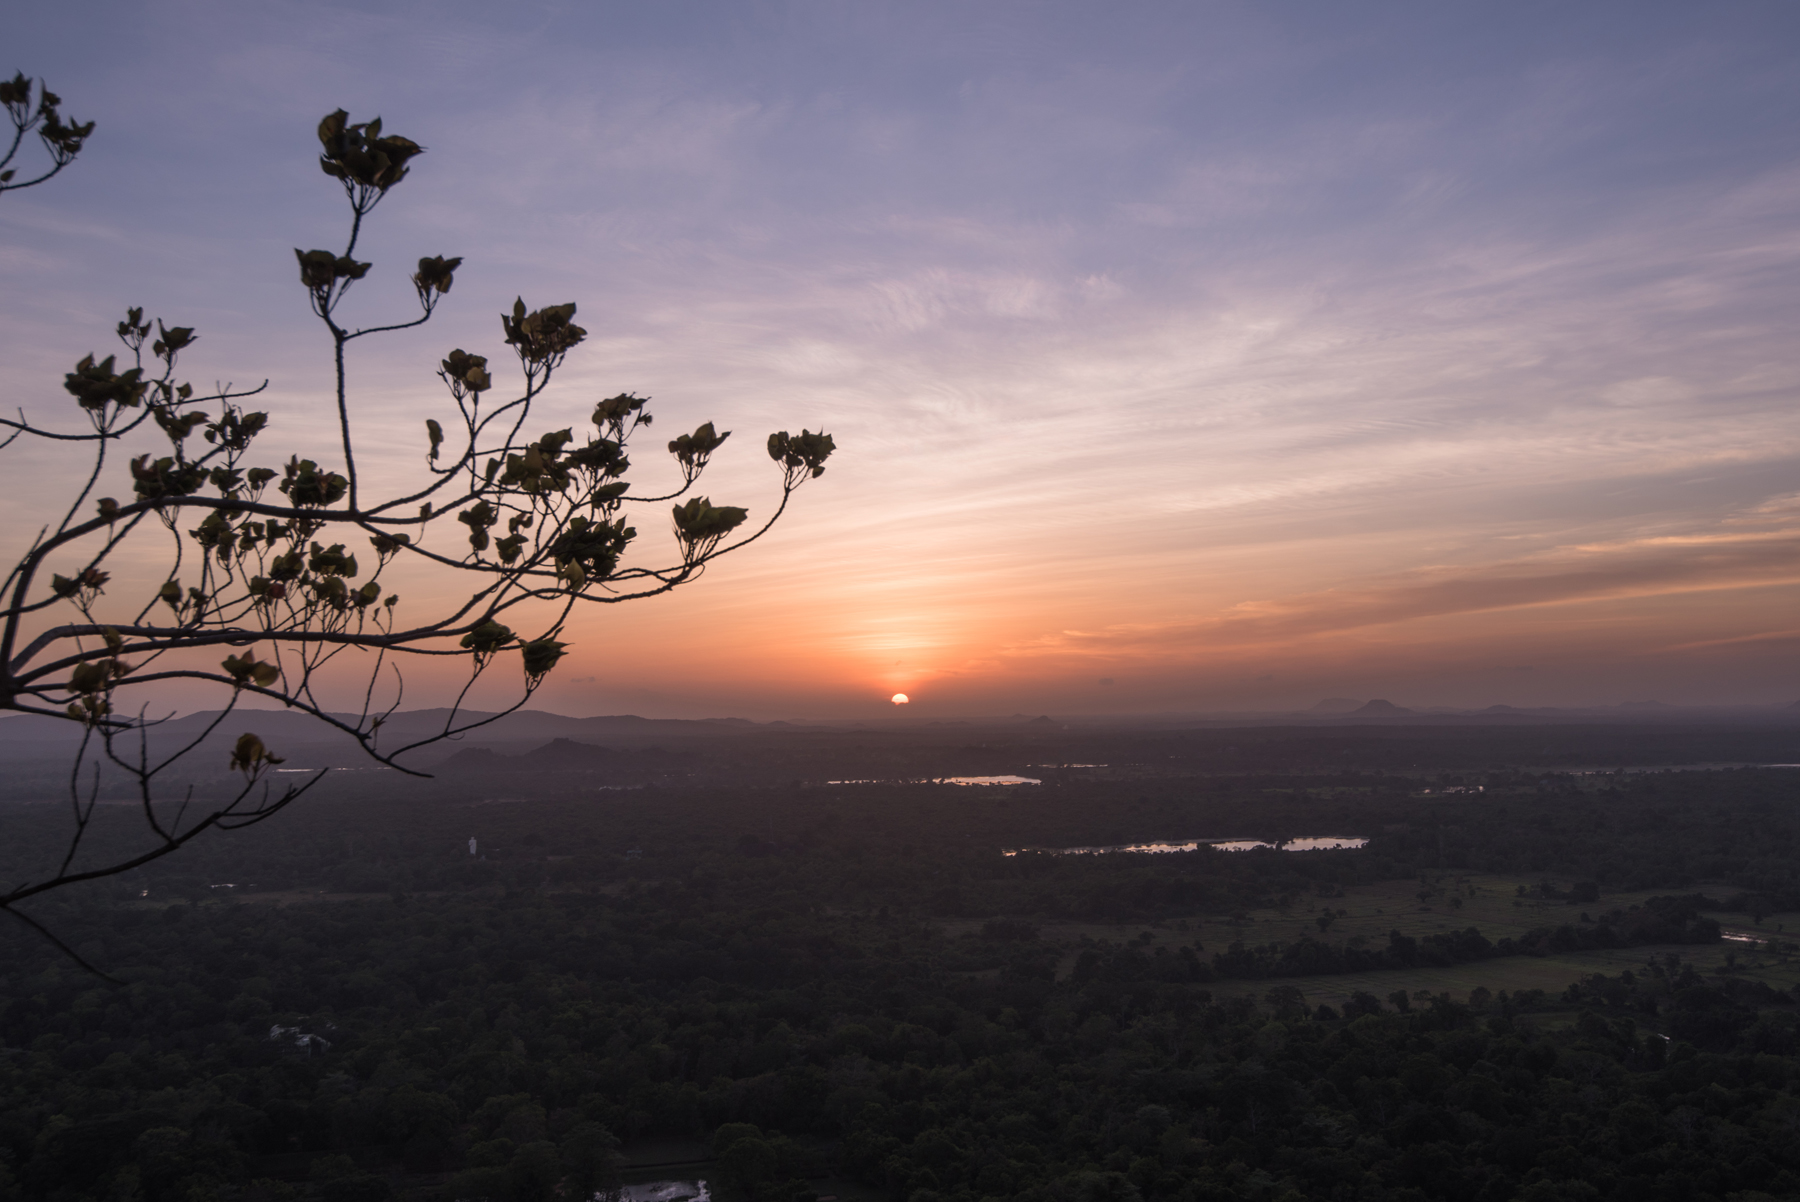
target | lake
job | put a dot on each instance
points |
(1308, 843)
(947, 780)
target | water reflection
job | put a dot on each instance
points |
(1308, 843)
(947, 780)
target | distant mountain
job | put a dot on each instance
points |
(1795, 706)
(558, 755)
(290, 728)
(566, 754)
(474, 759)
(1645, 705)
(1335, 705)
(1378, 708)
(1042, 720)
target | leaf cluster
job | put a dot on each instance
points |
(366, 161)
(62, 140)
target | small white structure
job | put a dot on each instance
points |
(471, 844)
(302, 1040)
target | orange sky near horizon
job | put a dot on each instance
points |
(1216, 359)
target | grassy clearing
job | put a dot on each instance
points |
(1365, 915)
(1412, 907)
(1552, 974)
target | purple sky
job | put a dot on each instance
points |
(1234, 354)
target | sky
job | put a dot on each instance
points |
(1182, 357)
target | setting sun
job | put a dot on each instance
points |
(901, 699)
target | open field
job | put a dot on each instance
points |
(1364, 916)
(1552, 974)
(1493, 904)
(1367, 913)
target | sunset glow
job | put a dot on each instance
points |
(1213, 357)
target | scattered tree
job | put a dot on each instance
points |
(275, 572)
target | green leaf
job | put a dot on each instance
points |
(361, 156)
(806, 451)
(96, 385)
(487, 638)
(542, 336)
(692, 450)
(435, 275)
(540, 656)
(249, 756)
(700, 522)
(246, 669)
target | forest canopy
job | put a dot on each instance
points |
(854, 989)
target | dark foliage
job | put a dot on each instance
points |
(772, 972)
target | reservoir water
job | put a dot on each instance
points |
(947, 780)
(1309, 843)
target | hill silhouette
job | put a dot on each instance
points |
(558, 755)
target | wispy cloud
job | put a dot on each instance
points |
(1198, 328)
(1570, 576)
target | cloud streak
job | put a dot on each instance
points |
(1571, 576)
(1203, 330)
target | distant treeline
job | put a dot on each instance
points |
(1661, 920)
(935, 849)
(737, 755)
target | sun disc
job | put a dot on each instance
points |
(901, 699)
